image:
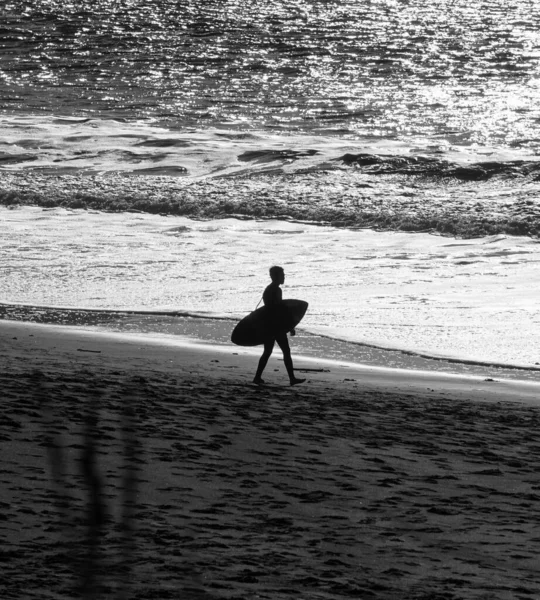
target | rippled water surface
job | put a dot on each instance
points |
(461, 71)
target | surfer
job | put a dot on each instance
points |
(272, 298)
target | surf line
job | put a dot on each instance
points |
(5, 306)
(423, 354)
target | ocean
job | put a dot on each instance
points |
(160, 157)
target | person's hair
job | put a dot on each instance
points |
(275, 272)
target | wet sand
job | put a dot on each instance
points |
(142, 469)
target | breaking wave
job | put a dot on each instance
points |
(356, 190)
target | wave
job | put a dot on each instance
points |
(443, 169)
(109, 165)
(392, 194)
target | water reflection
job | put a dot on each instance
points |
(385, 68)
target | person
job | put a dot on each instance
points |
(272, 298)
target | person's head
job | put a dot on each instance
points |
(277, 274)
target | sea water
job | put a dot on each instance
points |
(162, 156)
(469, 299)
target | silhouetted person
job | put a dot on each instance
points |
(272, 298)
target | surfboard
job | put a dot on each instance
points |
(256, 328)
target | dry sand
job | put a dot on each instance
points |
(143, 469)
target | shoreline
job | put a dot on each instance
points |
(221, 359)
(362, 482)
(169, 325)
(414, 289)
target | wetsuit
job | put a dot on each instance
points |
(272, 298)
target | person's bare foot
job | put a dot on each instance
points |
(258, 381)
(296, 381)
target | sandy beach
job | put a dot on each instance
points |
(139, 468)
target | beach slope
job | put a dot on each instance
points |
(144, 468)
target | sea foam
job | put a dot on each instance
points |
(470, 299)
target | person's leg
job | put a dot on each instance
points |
(268, 347)
(283, 343)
